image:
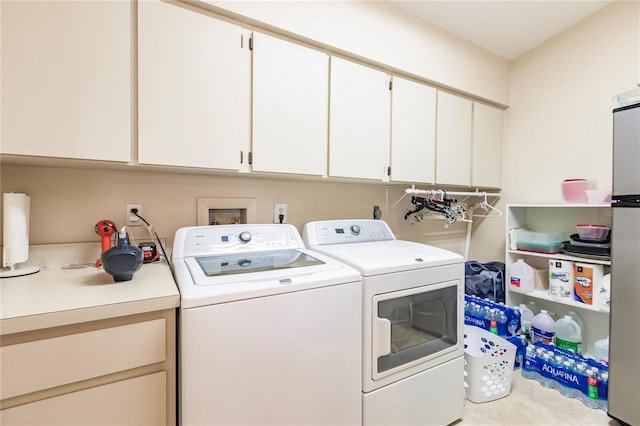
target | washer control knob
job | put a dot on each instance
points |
(243, 263)
(355, 229)
(245, 237)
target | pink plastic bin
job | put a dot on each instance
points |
(575, 190)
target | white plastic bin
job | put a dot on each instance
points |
(488, 365)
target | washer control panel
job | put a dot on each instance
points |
(219, 239)
(346, 231)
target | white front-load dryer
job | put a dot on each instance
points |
(412, 301)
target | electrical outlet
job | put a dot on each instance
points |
(280, 213)
(132, 219)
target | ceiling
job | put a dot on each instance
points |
(507, 28)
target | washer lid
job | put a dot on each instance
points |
(206, 280)
(383, 257)
(226, 266)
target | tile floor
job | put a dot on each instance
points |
(531, 404)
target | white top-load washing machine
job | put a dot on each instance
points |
(269, 332)
(413, 355)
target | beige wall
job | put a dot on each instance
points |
(66, 203)
(559, 123)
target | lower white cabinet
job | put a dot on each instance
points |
(119, 371)
(136, 401)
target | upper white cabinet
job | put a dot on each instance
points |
(413, 131)
(453, 141)
(290, 107)
(66, 79)
(486, 157)
(194, 78)
(359, 121)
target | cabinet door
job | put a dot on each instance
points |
(290, 107)
(193, 88)
(136, 401)
(486, 158)
(413, 131)
(66, 79)
(359, 112)
(453, 140)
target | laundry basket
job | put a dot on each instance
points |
(488, 364)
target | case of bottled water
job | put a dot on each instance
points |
(573, 375)
(491, 316)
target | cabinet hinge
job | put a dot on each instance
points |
(250, 47)
(250, 158)
(241, 157)
(389, 171)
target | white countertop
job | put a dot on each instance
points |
(55, 297)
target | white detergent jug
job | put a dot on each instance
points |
(543, 328)
(569, 334)
(521, 277)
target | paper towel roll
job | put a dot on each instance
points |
(15, 228)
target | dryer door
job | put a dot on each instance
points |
(413, 326)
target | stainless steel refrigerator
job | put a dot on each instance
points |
(624, 325)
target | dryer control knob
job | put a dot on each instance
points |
(245, 237)
(355, 229)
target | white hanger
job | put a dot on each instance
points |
(488, 208)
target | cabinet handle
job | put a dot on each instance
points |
(251, 158)
(241, 157)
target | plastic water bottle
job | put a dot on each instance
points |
(546, 381)
(502, 324)
(514, 323)
(603, 394)
(521, 277)
(567, 391)
(526, 315)
(569, 334)
(521, 351)
(543, 328)
(592, 387)
(529, 372)
(493, 321)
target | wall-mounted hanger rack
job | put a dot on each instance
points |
(436, 194)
